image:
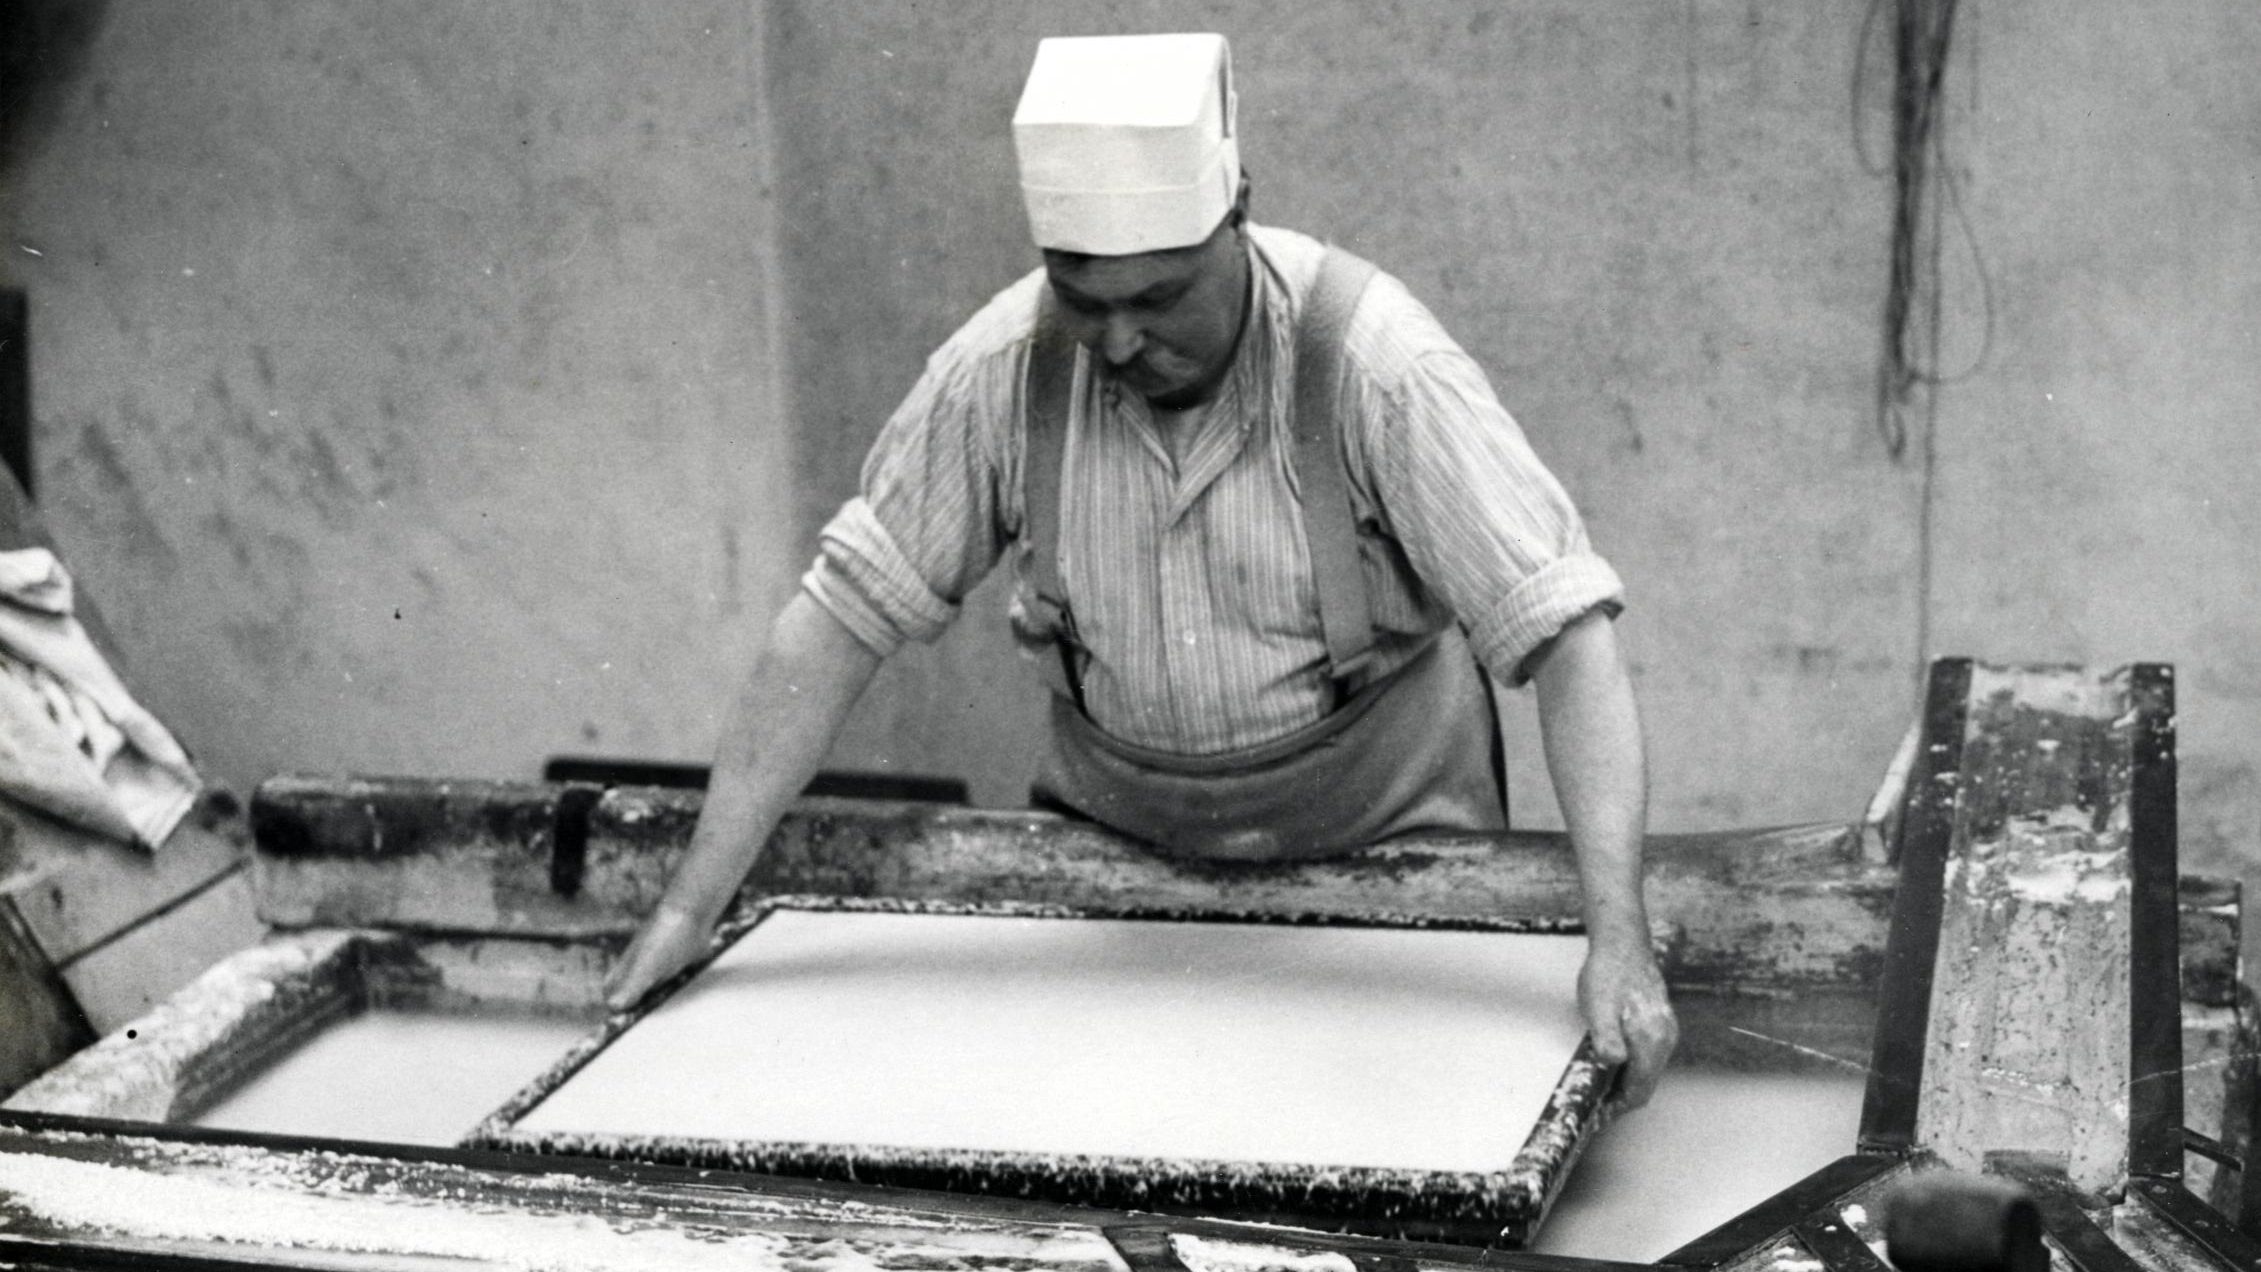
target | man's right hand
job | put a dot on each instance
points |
(669, 941)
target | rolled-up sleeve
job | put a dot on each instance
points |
(896, 561)
(864, 579)
(1537, 609)
(1483, 522)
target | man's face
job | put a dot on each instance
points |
(1165, 322)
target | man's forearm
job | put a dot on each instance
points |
(1592, 733)
(1594, 753)
(778, 731)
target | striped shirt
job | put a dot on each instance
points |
(1190, 579)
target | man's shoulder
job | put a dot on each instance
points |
(1389, 333)
(1292, 255)
(999, 329)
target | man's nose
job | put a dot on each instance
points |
(1120, 340)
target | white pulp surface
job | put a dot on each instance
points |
(405, 1077)
(1326, 1046)
(1712, 1144)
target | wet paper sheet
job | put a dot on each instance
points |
(1360, 1047)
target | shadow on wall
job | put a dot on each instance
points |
(43, 47)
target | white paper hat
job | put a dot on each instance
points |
(1127, 142)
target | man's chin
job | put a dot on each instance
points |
(1148, 384)
(1171, 392)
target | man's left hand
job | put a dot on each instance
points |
(1621, 990)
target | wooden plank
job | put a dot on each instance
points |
(426, 855)
(1888, 1115)
(76, 890)
(2026, 1043)
(1775, 907)
(1790, 904)
(1761, 911)
(132, 972)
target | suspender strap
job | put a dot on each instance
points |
(1330, 523)
(1330, 527)
(1050, 381)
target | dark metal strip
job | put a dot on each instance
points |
(672, 775)
(2064, 1220)
(1784, 1211)
(569, 837)
(1144, 1247)
(1838, 1247)
(89, 1256)
(2211, 1149)
(2155, 1112)
(2201, 1223)
(1903, 1020)
(15, 387)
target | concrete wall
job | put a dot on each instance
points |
(1648, 221)
(1660, 225)
(404, 372)
(2097, 473)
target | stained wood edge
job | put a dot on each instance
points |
(173, 1060)
(1502, 1208)
(629, 1194)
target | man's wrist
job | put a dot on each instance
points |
(1623, 939)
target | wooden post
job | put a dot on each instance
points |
(2028, 1045)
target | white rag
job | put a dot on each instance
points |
(73, 742)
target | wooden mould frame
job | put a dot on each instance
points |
(1502, 1208)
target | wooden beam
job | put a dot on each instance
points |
(96, 1189)
(2030, 1050)
(424, 855)
(77, 890)
(1770, 907)
(123, 977)
(1760, 911)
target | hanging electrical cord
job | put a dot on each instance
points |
(1922, 38)
(1926, 189)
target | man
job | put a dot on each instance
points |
(1252, 492)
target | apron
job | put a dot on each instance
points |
(1416, 750)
